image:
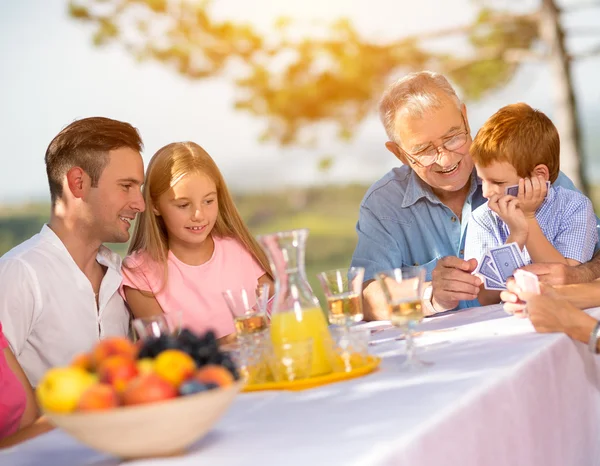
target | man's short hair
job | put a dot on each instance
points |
(86, 143)
(520, 135)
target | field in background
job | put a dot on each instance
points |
(330, 213)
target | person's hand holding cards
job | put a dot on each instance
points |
(498, 265)
(530, 192)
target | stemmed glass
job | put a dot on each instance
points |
(343, 289)
(157, 325)
(248, 308)
(403, 291)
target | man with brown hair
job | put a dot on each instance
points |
(520, 146)
(59, 289)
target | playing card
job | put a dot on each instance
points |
(489, 284)
(506, 260)
(514, 189)
(487, 269)
(527, 281)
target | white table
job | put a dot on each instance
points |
(498, 394)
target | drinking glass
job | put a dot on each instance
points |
(403, 291)
(343, 291)
(348, 348)
(291, 360)
(157, 325)
(251, 357)
(249, 309)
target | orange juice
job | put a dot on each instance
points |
(290, 326)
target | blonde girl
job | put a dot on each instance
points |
(190, 244)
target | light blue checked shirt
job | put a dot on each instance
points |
(403, 223)
(565, 217)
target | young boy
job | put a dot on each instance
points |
(520, 146)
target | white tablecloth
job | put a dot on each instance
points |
(498, 394)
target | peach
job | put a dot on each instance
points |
(212, 373)
(117, 371)
(174, 366)
(84, 361)
(148, 388)
(113, 346)
(98, 397)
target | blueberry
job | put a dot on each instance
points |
(192, 386)
(210, 385)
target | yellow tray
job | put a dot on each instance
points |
(371, 365)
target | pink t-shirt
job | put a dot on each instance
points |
(12, 395)
(196, 290)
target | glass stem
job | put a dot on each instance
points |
(410, 345)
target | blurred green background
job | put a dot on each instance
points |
(330, 213)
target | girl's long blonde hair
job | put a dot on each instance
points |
(166, 168)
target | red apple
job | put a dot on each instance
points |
(113, 346)
(117, 371)
(98, 397)
(148, 388)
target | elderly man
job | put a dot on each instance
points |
(417, 214)
(59, 289)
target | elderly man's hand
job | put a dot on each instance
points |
(452, 282)
(559, 274)
(375, 306)
(549, 314)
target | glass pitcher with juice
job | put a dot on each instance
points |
(296, 314)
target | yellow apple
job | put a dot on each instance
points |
(61, 388)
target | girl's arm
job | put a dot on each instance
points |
(142, 303)
(540, 249)
(266, 279)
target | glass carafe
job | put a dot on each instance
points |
(296, 314)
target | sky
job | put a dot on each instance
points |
(51, 74)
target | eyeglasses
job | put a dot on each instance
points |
(431, 154)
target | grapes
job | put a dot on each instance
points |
(203, 349)
(193, 386)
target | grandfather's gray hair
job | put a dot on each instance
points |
(416, 93)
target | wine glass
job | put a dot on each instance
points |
(403, 291)
(343, 291)
(157, 325)
(248, 308)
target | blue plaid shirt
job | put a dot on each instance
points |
(403, 223)
(565, 217)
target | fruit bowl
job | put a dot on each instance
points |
(164, 428)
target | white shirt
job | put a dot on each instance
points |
(47, 305)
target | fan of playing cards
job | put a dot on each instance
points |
(502, 262)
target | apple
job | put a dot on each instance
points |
(98, 397)
(117, 371)
(61, 388)
(113, 346)
(148, 388)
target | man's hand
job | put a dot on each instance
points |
(375, 305)
(560, 274)
(452, 282)
(509, 210)
(532, 192)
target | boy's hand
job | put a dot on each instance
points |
(532, 192)
(508, 209)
